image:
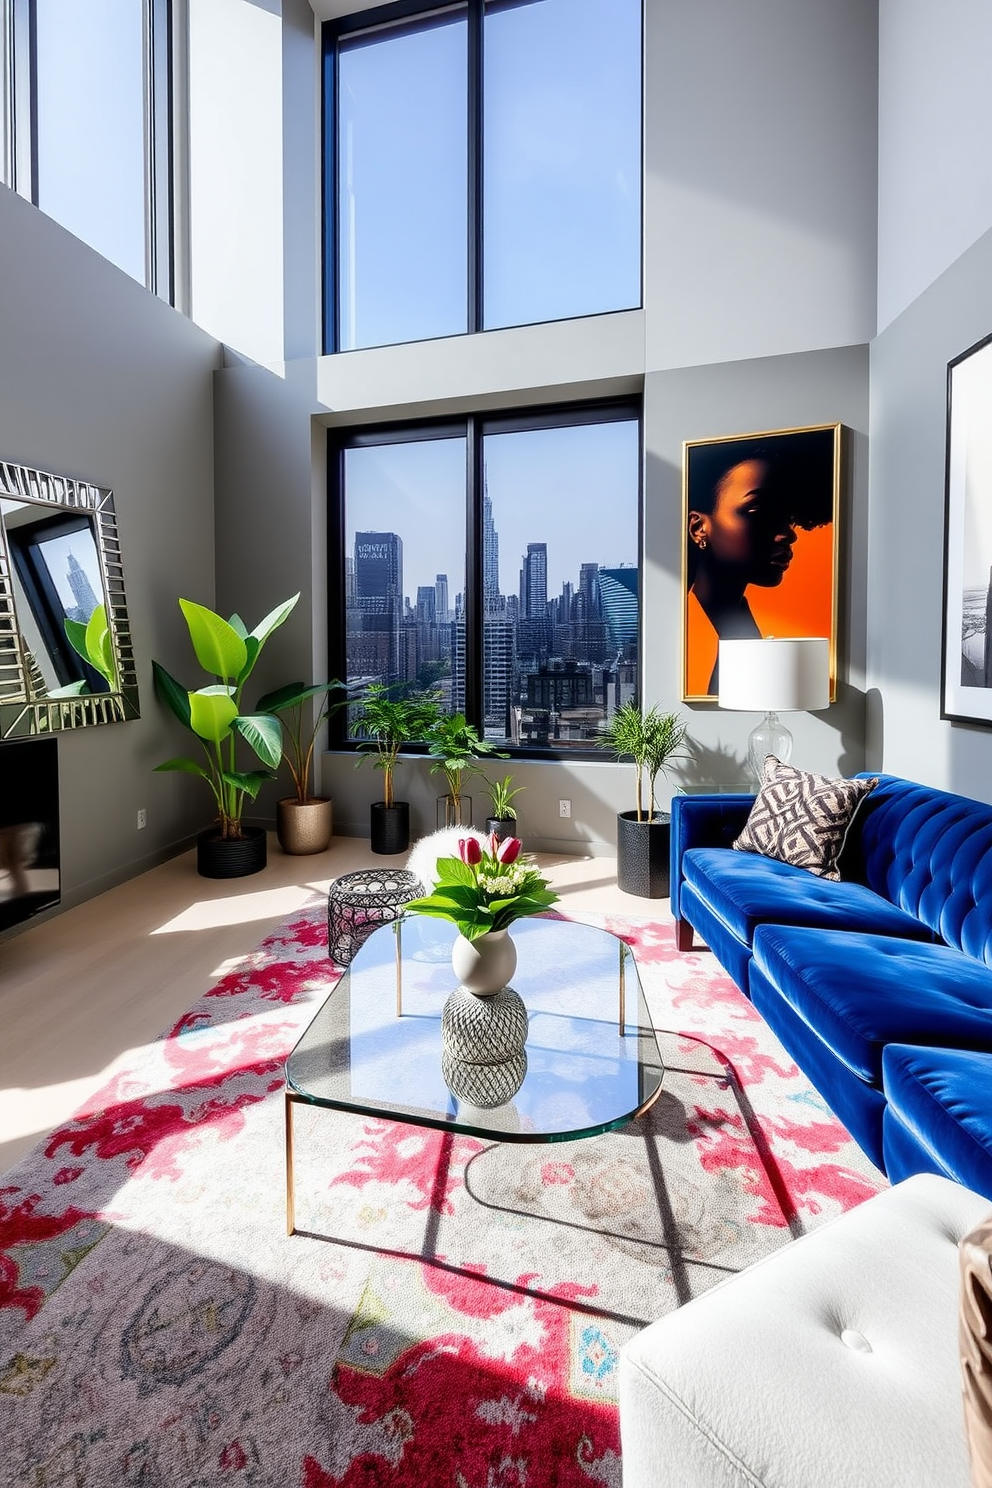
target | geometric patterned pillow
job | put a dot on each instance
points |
(802, 818)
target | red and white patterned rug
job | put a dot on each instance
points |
(452, 1314)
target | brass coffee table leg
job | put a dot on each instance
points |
(290, 1189)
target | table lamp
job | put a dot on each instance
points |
(774, 676)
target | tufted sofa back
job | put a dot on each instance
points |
(930, 853)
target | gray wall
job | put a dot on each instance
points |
(908, 431)
(99, 379)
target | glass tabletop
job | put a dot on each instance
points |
(592, 1060)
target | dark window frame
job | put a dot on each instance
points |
(158, 142)
(472, 427)
(390, 18)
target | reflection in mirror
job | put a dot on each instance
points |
(65, 649)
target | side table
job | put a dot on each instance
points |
(358, 903)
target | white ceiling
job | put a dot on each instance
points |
(329, 10)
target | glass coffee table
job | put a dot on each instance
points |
(375, 1045)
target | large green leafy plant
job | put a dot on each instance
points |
(389, 722)
(227, 651)
(652, 739)
(288, 704)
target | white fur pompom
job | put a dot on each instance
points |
(444, 844)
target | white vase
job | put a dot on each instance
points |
(485, 965)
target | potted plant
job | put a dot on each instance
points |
(304, 822)
(454, 747)
(483, 891)
(390, 722)
(227, 651)
(652, 739)
(502, 821)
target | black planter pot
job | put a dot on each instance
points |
(230, 857)
(643, 854)
(501, 827)
(390, 827)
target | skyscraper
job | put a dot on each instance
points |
(618, 592)
(441, 599)
(534, 582)
(379, 602)
(82, 591)
(490, 559)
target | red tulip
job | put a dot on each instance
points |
(509, 850)
(469, 851)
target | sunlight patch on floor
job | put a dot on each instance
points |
(239, 909)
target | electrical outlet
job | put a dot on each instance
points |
(564, 808)
(142, 818)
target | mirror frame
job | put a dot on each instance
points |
(21, 713)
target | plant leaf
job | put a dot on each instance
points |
(172, 693)
(97, 636)
(262, 732)
(72, 689)
(76, 634)
(236, 623)
(287, 697)
(249, 781)
(211, 713)
(187, 766)
(219, 649)
(274, 619)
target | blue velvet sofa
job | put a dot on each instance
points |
(879, 986)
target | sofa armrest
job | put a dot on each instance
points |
(703, 821)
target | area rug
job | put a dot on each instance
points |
(453, 1312)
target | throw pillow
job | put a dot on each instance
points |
(802, 818)
(975, 1339)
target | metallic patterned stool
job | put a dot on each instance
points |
(359, 903)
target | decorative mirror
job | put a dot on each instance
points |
(66, 659)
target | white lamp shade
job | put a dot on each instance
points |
(775, 676)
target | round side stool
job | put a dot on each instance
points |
(359, 903)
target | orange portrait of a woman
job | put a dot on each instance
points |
(760, 530)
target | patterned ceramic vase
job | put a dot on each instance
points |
(485, 965)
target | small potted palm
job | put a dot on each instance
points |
(652, 739)
(455, 747)
(502, 820)
(227, 652)
(387, 723)
(304, 822)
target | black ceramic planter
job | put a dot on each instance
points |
(501, 827)
(390, 827)
(230, 857)
(643, 854)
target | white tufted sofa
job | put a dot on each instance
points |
(831, 1364)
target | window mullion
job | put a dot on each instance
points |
(475, 165)
(474, 701)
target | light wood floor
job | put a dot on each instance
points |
(80, 992)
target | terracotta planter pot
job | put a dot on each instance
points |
(643, 849)
(230, 857)
(390, 827)
(304, 826)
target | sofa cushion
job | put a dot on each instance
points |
(939, 1113)
(802, 818)
(831, 1364)
(861, 992)
(746, 891)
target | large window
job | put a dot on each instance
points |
(482, 167)
(496, 561)
(87, 104)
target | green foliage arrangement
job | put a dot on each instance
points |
(287, 704)
(454, 747)
(390, 722)
(485, 888)
(652, 739)
(227, 651)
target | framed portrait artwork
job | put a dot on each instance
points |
(966, 668)
(759, 542)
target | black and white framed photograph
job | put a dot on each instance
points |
(966, 684)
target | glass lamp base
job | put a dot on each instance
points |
(770, 737)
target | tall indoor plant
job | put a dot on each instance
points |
(304, 822)
(502, 819)
(227, 651)
(388, 722)
(652, 739)
(454, 747)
